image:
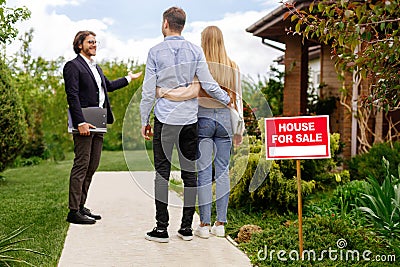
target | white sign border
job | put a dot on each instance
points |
(302, 156)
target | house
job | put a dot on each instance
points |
(298, 55)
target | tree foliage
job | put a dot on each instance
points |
(40, 86)
(364, 37)
(120, 99)
(34, 80)
(8, 18)
(12, 122)
(262, 99)
(271, 88)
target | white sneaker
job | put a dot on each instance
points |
(218, 230)
(203, 231)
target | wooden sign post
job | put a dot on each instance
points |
(305, 137)
(299, 207)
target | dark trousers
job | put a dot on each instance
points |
(87, 158)
(185, 138)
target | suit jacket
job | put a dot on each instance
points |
(82, 90)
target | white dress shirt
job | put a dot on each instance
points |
(92, 65)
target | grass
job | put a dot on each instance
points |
(117, 161)
(37, 197)
(10, 243)
(176, 185)
(137, 160)
(280, 233)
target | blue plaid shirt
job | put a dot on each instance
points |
(171, 64)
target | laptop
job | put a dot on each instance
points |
(93, 115)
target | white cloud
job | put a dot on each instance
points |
(59, 2)
(108, 21)
(268, 3)
(245, 49)
(40, 4)
(54, 33)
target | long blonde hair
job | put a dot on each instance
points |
(222, 68)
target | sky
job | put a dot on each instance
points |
(128, 29)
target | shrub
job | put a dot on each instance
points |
(276, 180)
(22, 162)
(275, 192)
(340, 202)
(120, 100)
(320, 233)
(12, 123)
(361, 166)
(381, 204)
(346, 196)
(322, 171)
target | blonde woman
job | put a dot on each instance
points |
(215, 131)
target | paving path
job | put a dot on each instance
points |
(128, 210)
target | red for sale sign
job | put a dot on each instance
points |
(305, 137)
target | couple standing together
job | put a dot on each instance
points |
(192, 115)
(191, 90)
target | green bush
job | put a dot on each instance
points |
(322, 171)
(40, 85)
(276, 180)
(275, 192)
(319, 233)
(346, 196)
(12, 120)
(381, 204)
(340, 202)
(30, 78)
(22, 162)
(120, 100)
(361, 166)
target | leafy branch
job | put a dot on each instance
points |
(364, 38)
(8, 17)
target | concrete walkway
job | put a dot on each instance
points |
(123, 199)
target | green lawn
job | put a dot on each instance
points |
(116, 161)
(138, 160)
(37, 196)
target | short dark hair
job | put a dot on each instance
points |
(176, 18)
(79, 38)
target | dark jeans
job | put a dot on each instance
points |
(87, 157)
(185, 138)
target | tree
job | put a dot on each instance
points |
(8, 18)
(39, 83)
(12, 120)
(12, 124)
(262, 99)
(123, 133)
(364, 37)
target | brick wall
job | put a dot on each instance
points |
(296, 67)
(295, 91)
(340, 120)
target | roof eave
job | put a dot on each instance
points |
(274, 19)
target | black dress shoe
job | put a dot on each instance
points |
(86, 211)
(78, 218)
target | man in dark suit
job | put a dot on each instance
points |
(86, 86)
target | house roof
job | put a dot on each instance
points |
(272, 26)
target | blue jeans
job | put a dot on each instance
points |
(215, 142)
